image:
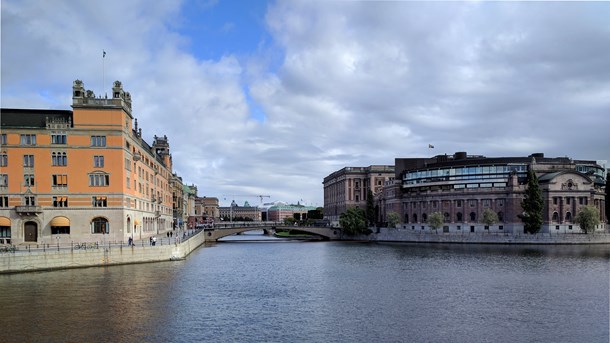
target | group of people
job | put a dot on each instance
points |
(153, 239)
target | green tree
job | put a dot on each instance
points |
(436, 220)
(353, 221)
(315, 214)
(608, 197)
(490, 217)
(393, 219)
(532, 204)
(370, 208)
(588, 218)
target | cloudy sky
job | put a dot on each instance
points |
(270, 97)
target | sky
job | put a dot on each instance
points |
(270, 97)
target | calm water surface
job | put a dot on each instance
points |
(273, 291)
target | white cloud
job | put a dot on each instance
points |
(340, 83)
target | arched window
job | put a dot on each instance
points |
(415, 217)
(406, 218)
(100, 225)
(424, 218)
(555, 216)
(500, 216)
(459, 217)
(473, 217)
(568, 216)
(447, 217)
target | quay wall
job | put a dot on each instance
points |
(63, 258)
(407, 235)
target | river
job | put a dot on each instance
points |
(291, 291)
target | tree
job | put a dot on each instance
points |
(490, 217)
(393, 219)
(436, 220)
(532, 204)
(315, 214)
(353, 221)
(370, 208)
(608, 197)
(588, 218)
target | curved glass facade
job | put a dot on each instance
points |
(461, 176)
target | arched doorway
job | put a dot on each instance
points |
(30, 232)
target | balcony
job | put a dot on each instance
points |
(158, 214)
(28, 210)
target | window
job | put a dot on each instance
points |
(60, 230)
(128, 183)
(3, 139)
(3, 201)
(568, 200)
(29, 201)
(99, 201)
(3, 160)
(486, 202)
(99, 180)
(473, 216)
(28, 160)
(58, 138)
(500, 202)
(458, 203)
(59, 159)
(127, 164)
(555, 216)
(60, 180)
(60, 201)
(568, 216)
(98, 161)
(500, 216)
(28, 180)
(459, 216)
(424, 217)
(472, 203)
(28, 139)
(100, 225)
(3, 180)
(555, 200)
(98, 140)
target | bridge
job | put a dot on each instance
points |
(219, 231)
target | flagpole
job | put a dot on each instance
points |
(103, 72)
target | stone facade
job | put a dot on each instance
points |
(348, 187)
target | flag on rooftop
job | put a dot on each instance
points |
(103, 53)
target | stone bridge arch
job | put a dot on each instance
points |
(216, 233)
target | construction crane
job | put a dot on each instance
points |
(246, 196)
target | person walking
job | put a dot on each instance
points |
(154, 241)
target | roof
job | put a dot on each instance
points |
(31, 118)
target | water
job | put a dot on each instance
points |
(271, 291)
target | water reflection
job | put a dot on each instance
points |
(322, 292)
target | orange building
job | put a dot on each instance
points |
(82, 175)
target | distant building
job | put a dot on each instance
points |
(462, 187)
(235, 211)
(348, 187)
(279, 212)
(211, 212)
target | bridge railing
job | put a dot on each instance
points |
(234, 225)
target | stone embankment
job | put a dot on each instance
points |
(406, 235)
(24, 260)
